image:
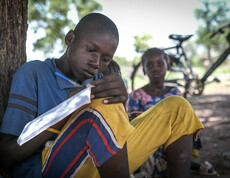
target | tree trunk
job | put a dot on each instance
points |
(13, 28)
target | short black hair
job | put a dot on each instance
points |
(96, 22)
(154, 51)
(112, 68)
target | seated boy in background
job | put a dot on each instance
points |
(155, 63)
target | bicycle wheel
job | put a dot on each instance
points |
(195, 87)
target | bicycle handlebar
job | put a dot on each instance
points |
(220, 30)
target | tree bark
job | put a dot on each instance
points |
(13, 28)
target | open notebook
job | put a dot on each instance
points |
(54, 115)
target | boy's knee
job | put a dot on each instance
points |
(177, 101)
(180, 106)
(184, 157)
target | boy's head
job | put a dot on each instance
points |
(113, 68)
(155, 64)
(151, 52)
(91, 46)
(96, 22)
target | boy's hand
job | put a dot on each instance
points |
(110, 85)
(134, 114)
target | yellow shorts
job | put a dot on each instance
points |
(162, 124)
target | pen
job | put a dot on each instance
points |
(67, 79)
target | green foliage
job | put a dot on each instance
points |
(141, 42)
(85, 7)
(196, 60)
(121, 61)
(213, 15)
(140, 81)
(141, 45)
(221, 40)
(223, 69)
(136, 60)
(51, 17)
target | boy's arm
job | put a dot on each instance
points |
(116, 166)
(11, 153)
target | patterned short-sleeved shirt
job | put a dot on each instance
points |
(139, 100)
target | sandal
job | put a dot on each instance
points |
(207, 169)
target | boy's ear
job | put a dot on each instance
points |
(69, 37)
(143, 70)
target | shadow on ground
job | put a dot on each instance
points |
(213, 109)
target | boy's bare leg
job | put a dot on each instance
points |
(116, 166)
(179, 155)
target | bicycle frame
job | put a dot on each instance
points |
(193, 85)
(218, 62)
(181, 54)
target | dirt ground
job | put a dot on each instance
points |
(212, 107)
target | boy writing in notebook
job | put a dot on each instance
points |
(96, 140)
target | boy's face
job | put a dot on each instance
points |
(155, 67)
(90, 54)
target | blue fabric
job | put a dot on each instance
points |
(35, 89)
(93, 138)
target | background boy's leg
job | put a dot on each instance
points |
(165, 123)
(179, 157)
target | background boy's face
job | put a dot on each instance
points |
(90, 54)
(155, 67)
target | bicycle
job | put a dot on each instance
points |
(180, 63)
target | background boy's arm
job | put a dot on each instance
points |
(110, 85)
(134, 114)
(116, 166)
